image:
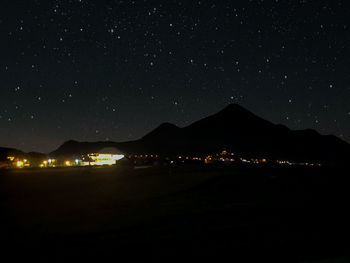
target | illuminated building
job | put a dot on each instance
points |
(107, 156)
(17, 162)
(49, 163)
(20, 164)
(103, 159)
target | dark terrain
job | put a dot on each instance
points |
(179, 213)
(234, 129)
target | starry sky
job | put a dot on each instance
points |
(114, 70)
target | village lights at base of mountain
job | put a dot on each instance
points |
(141, 156)
(108, 159)
(300, 164)
(93, 159)
(49, 163)
(222, 157)
(101, 159)
(19, 163)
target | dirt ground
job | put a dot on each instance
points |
(175, 213)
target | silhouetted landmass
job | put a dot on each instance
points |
(72, 147)
(234, 129)
(5, 152)
(217, 212)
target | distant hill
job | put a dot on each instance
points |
(71, 147)
(5, 152)
(234, 129)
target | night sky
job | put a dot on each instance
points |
(114, 70)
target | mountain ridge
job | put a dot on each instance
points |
(238, 130)
(233, 128)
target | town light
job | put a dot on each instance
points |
(103, 159)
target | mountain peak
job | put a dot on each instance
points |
(233, 128)
(234, 109)
(233, 106)
(166, 125)
(165, 128)
(70, 142)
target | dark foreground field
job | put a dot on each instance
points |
(175, 214)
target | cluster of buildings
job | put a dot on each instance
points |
(288, 163)
(111, 156)
(93, 159)
(217, 158)
(106, 157)
(225, 156)
(16, 162)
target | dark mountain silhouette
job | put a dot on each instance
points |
(71, 148)
(5, 152)
(234, 129)
(162, 132)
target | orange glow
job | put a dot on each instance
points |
(20, 164)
